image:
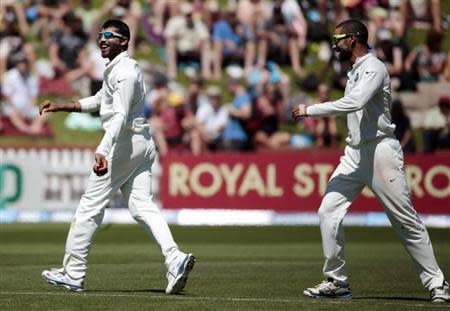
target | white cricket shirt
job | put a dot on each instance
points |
(120, 101)
(366, 102)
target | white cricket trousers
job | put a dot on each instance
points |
(378, 165)
(130, 171)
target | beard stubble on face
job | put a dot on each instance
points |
(343, 53)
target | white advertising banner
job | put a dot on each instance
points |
(43, 179)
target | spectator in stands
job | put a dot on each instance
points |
(325, 129)
(268, 115)
(50, 14)
(211, 119)
(232, 43)
(195, 95)
(187, 41)
(206, 10)
(426, 62)
(436, 134)
(157, 95)
(403, 129)
(13, 32)
(66, 52)
(420, 14)
(20, 91)
(157, 101)
(393, 55)
(176, 121)
(378, 25)
(235, 135)
(159, 12)
(253, 15)
(284, 34)
(88, 14)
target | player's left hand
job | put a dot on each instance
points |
(299, 112)
(101, 165)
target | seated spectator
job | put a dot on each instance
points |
(207, 11)
(378, 25)
(436, 134)
(403, 129)
(20, 90)
(195, 95)
(157, 95)
(13, 33)
(393, 55)
(67, 49)
(268, 115)
(325, 129)
(211, 119)
(155, 21)
(88, 14)
(235, 135)
(259, 76)
(50, 14)
(420, 14)
(253, 15)
(232, 43)
(284, 35)
(426, 62)
(187, 42)
(175, 122)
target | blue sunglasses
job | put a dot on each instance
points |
(109, 35)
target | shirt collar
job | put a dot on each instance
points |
(115, 60)
(360, 60)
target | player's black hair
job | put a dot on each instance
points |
(355, 27)
(121, 27)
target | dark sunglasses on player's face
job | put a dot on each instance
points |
(109, 35)
(337, 38)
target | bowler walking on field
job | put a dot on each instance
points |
(122, 161)
(373, 158)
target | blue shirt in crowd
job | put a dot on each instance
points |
(234, 129)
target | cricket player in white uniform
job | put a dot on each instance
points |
(373, 158)
(122, 161)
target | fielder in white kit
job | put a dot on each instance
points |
(373, 158)
(122, 161)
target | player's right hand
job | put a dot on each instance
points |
(101, 165)
(299, 112)
(48, 106)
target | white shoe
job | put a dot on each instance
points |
(59, 278)
(178, 272)
(440, 294)
(329, 289)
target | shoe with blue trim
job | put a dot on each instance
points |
(329, 289)
(440, 294)
(178, 272)
(59, 278)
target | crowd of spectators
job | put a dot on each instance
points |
(260, 50)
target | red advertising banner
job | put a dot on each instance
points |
(287, 181)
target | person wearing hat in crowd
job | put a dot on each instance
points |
(176, 121)
(187, 41)
(211, 119)
(20, 90)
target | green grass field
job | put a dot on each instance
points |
(238, 268)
